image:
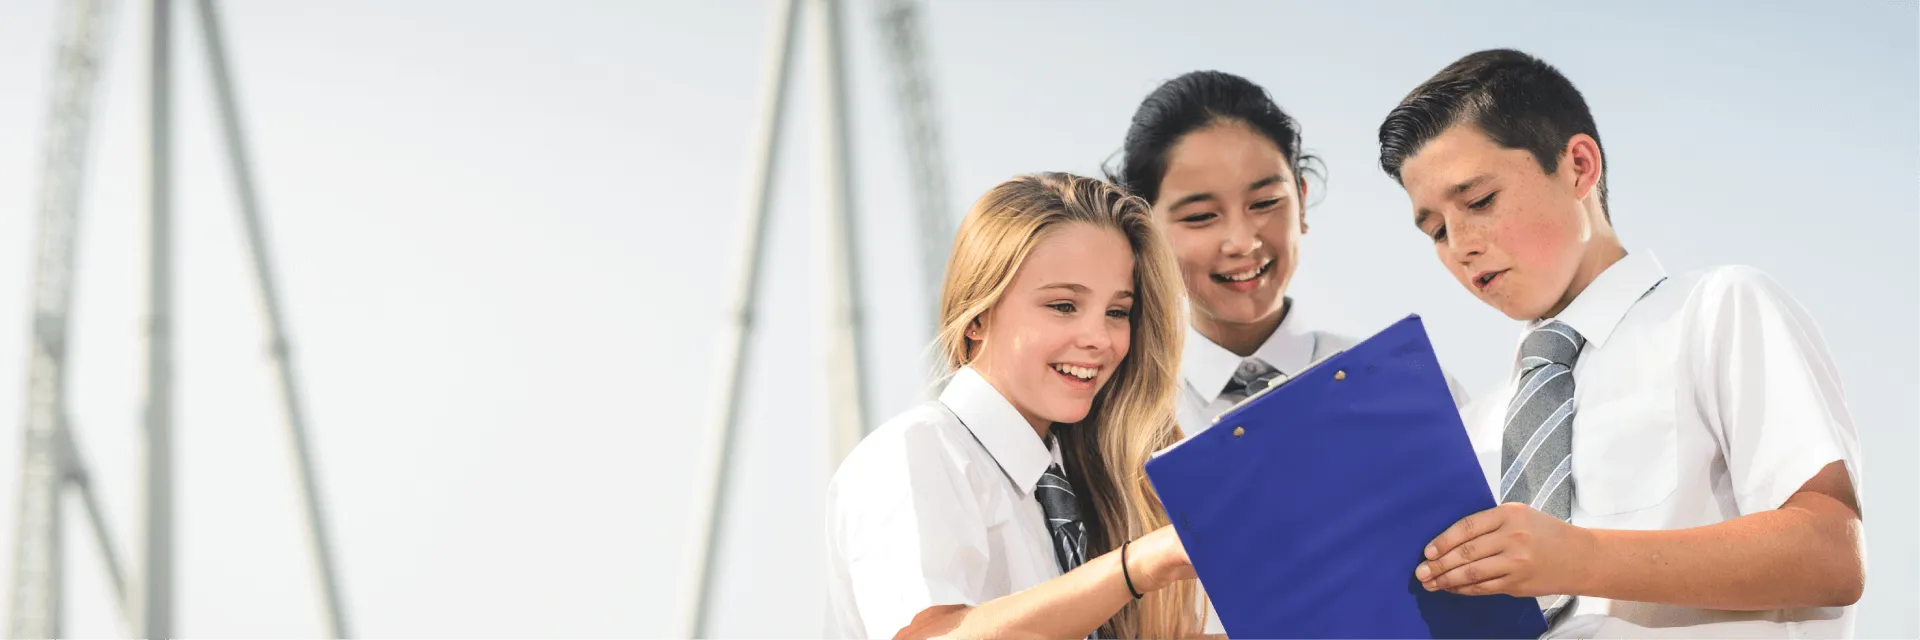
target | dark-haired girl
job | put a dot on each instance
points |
(1222, 165)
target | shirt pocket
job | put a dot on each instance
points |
(1625, 451)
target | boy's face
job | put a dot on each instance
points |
(1512, 235)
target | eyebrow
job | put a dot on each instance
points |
(1264, 182)
(1081, 289)
(1205, 196)
(1420, 217)
(1469, 184)
(1190, 199)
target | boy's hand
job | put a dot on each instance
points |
(1512, 549)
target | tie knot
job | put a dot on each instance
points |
(1551, 343)
(1056, 497)
(1254, 372)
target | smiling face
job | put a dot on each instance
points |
(1521, 240)
(1230, 205)
(1063, 325)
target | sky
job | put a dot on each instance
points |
(506, 236)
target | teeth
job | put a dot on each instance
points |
(1083, 373)
(1244, 275)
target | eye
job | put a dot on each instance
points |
(1199, 218)
(1120, 314)
(1482, 203)
(1440, 233)
(1062, 307)
(1266, 204)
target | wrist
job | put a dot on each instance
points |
(1587, 561)
(1138, 563)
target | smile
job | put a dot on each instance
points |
(1243, 276)
(1076, 371)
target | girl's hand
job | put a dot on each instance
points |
(1157, 560)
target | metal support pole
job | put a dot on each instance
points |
(737, 339)
(156, 591)
(839, 275)
(279, 347)
(82, 484)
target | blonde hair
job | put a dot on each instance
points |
(1133, 415)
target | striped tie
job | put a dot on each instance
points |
(1062, 510)
(1536, 455)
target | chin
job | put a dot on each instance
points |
(1522, 312)
(1070, 415)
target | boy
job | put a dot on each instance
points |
(1673, 455)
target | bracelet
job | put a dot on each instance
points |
(1123, 570)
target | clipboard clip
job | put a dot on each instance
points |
(1275, 383)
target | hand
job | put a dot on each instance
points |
(1157, 560)
(1512, 549)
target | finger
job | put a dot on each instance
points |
(1471, 573)
(1502, 585)
(1467, 528)
(1473, 549)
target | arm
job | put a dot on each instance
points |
(1804, 554)
(1070, 606)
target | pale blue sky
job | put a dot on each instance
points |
(505, 235)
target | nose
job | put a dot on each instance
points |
(1243, 235)
(1094, 334)
(1464, 243)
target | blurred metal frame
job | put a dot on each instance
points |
(50, 459)
(835, 243)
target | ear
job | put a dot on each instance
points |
(977, 330)
(1302, 188)
(1582, 162)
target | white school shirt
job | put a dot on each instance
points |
(936, 507)
(1206, 367)
(1699, 399)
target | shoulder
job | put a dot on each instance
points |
(1723, 297)
(1327, 342)
(924, 436)
(1729, 285)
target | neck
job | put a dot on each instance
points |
(1241, 338)
(1603, 252)
(1040, 425)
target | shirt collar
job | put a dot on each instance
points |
(999, 427)
(1600, 307)
(1207, 366)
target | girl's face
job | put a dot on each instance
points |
(1062, 327)
(1231, 208)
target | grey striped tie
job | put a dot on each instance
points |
(1250, 378)
(1062, 511)
(1536, 455)
(1064, 525)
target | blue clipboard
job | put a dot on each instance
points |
(1306, 507)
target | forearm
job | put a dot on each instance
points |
(1070, 606)
(1804, 554)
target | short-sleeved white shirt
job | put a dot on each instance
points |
(936, 507)
(1699, 398)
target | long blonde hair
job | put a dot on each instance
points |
(1133, 415)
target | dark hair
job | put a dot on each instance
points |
(1520, 101)
(1193, 102)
